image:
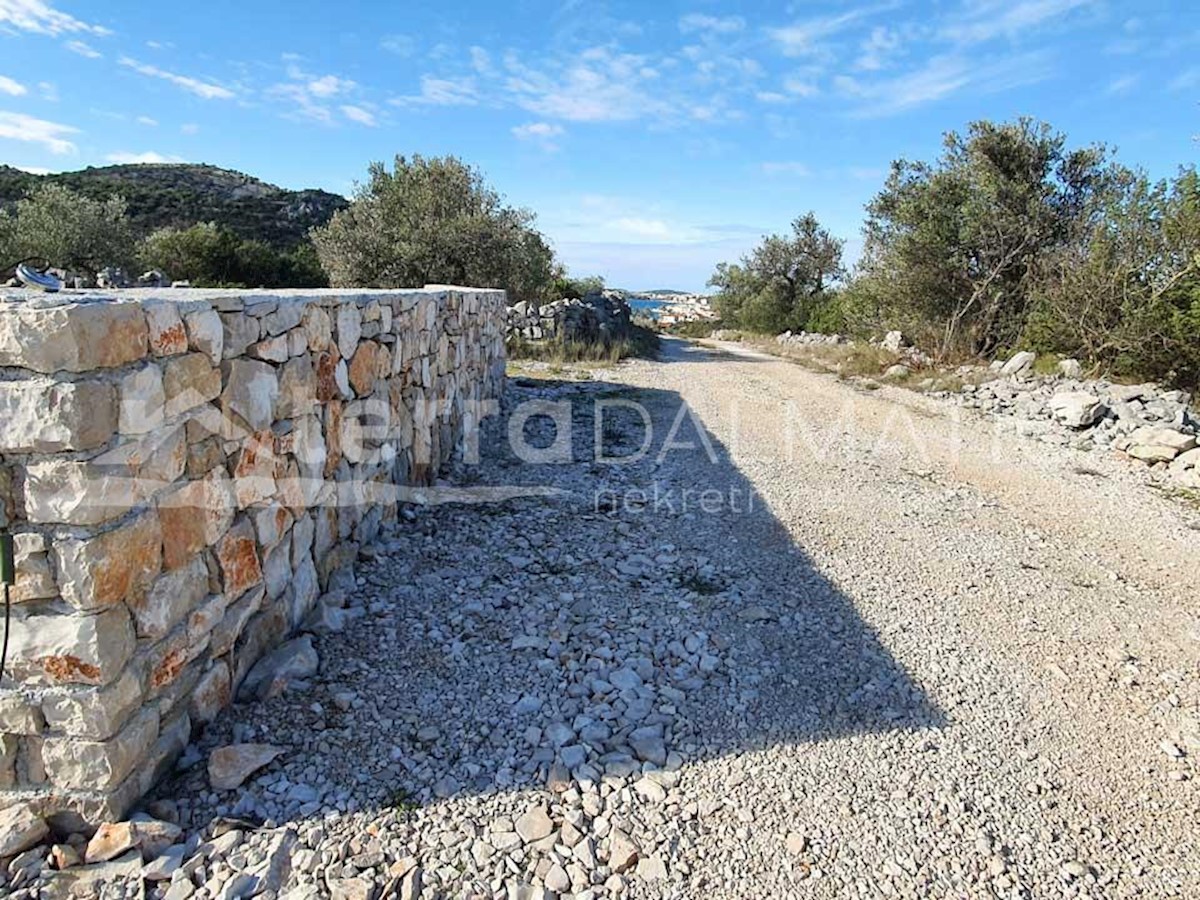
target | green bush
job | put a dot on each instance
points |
(434, 221)
(211, 255)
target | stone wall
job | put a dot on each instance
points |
(185, 471)
(602, 318)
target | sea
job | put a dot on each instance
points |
(645, 306)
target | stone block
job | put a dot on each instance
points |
(239, 332)
(349, 328)
(318, 328)
(119, 565)
(277, 570)
(91, 714)
(212, 694)
(237, 553)
(366, 367)
(190, 381)
(73, 337)
(297, 389)
(142, 401)
(271, 524)
(273, 349)
(50, 417)
(167, 335)
(194, 516)
(20, 715)
(254, 470)
(78, 493)
(251, 390)
(170, 599)
(34, 580)
(237, 615)
(206, 333)
(59, 649)
(100, 765)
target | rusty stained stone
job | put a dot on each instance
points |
(333, 436)
(195, 515)
(365, 368)
(327, 388)
(254, 472)
(237, 553)
(118, 565)
(167, 335)
(212, 693)
(74, 337)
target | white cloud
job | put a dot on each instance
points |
(643, 228)
(876, 48)
(543, 134)
(986, 20)
(939, 78)
(125, 158)
(400, 44)
(41, 18)
(205, 89)
(359, 115)
(481, 61)
(771, 97)
(598, 85)
(83, 49)
(1185, 80)
(34, 170)
(189, 128)
(49, 91)
(330, 86)
(711, 24)
(11, 87)
(147, 121)
(795, 169)
(804, 38)
(442, 92)
(1122, 85)
(800, 87)
(51, 135)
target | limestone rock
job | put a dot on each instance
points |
(49, 417)
(297, 659)
(20, 829)
(206, 334)
(1152, 445)
(109, 842)
(1077, 409)
(251, 389)
(1019, 363)
(230, 766)
(72, 649)
(74, 337)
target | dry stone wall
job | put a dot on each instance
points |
(184, 472)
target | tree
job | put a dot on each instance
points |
(953, 245)
(211, 255)
(434, 221)
(68, 230)
(783, 282)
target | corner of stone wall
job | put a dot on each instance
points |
(184, 472)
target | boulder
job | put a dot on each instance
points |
(297, 659)
(20, 829)
(1077, 409)
(1019, 363)
(894, 341)
(1070, 368)
(230, 766)
(1151, 445)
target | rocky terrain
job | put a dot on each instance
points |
(834, 643)
(181, 194)
(600, 317)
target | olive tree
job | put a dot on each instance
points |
(434, 220)
(69, 230)
(783, 282)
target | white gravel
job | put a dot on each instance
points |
(931, 659)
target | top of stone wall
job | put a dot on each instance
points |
(83, 330)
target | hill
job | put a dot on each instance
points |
(168, 194)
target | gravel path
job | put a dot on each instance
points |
(891, 653)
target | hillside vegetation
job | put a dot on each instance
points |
(1010, 240)
(163, 195)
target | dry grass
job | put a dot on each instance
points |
(642, 343)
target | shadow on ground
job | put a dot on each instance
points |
(488, 633)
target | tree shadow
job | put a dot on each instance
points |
(495, 643)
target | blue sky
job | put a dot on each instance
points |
(653, 140)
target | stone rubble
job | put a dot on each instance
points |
(601, 317)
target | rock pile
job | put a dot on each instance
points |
(601, 317)
(1148, 423)
(802, 338)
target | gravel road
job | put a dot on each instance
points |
(877, 649)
